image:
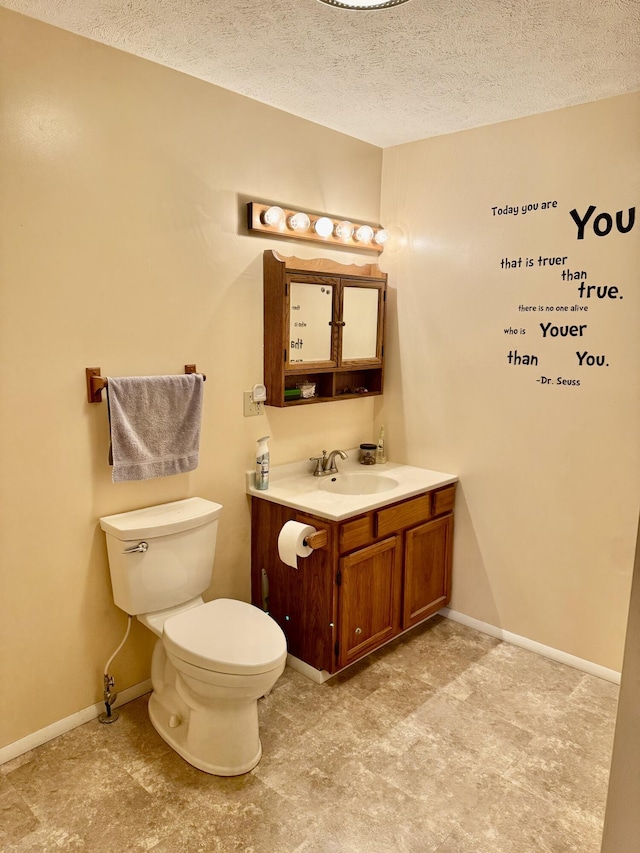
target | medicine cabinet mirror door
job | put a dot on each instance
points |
(362, 314)
(312, 328)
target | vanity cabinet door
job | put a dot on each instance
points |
(361, 323)
(370, 595)
(427, 569)
(312, 336)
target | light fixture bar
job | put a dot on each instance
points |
(316, 227)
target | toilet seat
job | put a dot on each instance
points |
(226, 636)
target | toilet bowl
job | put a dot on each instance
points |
(212, 661)
(211, 664)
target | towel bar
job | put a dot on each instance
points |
(97, 383)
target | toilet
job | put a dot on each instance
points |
(212, 661)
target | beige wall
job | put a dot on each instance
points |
(122, 184)
(548, 500)
(121, 248)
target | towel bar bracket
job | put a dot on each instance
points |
(97, 383)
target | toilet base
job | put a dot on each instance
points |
(177, 737)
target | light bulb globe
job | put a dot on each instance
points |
(344, 230)
(299, 222)
(273, 216)
(364, 234)
(323, 226)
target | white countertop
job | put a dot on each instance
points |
(295, 486)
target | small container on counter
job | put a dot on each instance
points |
(367, 454)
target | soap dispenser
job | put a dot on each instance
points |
(262, 463)
(380, 454)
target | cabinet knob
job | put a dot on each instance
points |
(358, 630)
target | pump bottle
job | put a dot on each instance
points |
(380, 454)
(262, 463)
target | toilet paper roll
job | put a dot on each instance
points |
(291, 542)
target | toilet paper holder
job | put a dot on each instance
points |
(319, 539)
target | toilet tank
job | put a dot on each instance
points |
(177, 563)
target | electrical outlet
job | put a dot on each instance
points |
(251, 408)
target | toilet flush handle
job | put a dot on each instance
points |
(141, 547)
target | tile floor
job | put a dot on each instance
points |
(446, 740)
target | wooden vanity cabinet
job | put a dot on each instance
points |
(323, 324)
(381, 573)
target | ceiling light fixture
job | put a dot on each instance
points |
(319, 227)
(363, 5)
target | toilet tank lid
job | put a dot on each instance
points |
(162, 519)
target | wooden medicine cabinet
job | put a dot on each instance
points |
(323, 330)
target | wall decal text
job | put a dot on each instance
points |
(603, 223)
(557, 337)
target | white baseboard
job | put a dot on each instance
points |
(13, 750)
(320, 676)
(532, 646)
(317, 675)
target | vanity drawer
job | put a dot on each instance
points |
(403, 515)
(354, 534)
(443, 500)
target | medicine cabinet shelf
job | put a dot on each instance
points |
(323, 326)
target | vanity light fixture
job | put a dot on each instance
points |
(305, 225)
(363, 5)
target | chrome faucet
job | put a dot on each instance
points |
(327, 464)
(331, 467)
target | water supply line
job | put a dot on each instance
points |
(108, 716)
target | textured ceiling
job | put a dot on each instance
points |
(421, 69)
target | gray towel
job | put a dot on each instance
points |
(155, 425)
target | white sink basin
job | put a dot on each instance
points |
(353, 490)
(358, 484)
